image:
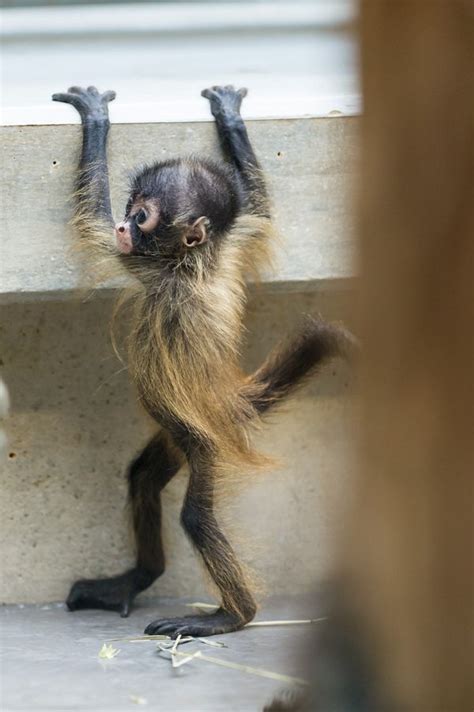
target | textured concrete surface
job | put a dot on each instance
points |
(310, 191)
(4, 408)
(75, 424)
(49, 661)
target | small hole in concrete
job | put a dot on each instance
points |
(55, 163)
(12, 455)
(278, 153)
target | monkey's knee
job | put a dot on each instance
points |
(138, 477)
(193, 521)
(151, 470)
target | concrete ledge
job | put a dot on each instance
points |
(309, 163)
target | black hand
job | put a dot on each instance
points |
(224, 101)
(198, 626)
(92, 181)
(90, 104)
(112, 594)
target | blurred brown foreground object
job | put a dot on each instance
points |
(399, 635)
(410, 554)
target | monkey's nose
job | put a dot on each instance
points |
(123, 237)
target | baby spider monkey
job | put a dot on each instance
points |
(192, 229)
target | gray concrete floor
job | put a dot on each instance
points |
(49, 661)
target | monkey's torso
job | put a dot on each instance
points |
(184, 355)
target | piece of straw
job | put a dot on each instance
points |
(254, 624)
(137, 700)
(212, 643)
(171, 653)
(187, 659)
(138, 638)
(204, 606)
(170, 644)
(303, 621)
(108, 652)
(246, 668)
(174, 649)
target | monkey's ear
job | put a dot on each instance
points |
(196, 234)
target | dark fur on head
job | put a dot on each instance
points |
(183, 191)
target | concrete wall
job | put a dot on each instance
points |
(310, 191)
(75, 423)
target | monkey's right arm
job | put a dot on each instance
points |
(93, 215)
(225, 105)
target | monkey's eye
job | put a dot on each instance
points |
(147, 218)
(141, 217)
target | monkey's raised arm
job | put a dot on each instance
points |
(93, 214)
(225, 105)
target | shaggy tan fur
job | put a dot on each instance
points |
(193, 374)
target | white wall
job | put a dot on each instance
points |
(296, 58)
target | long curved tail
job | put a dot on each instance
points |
(293, 361)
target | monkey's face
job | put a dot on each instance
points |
(134, 233)
(177, 207)
(146, 230)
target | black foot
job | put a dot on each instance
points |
(89, 103)
(224, 101)
(197, 626)
(111, 594)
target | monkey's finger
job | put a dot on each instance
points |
(73, 600)
(76, 90)
(108, 95)
(156, 627)
(67, 99)
(243, 92)
(160, 629)
(125, 609)
(93, 90)
(207, 93)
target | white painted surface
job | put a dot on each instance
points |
(295, 61)
(171, 17)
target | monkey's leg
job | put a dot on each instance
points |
(93, 211)
(225, 105)
(147, 476)
(199, 521)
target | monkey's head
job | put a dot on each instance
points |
(177, 207)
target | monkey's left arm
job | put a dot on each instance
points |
(93, 210)
(225, 105)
